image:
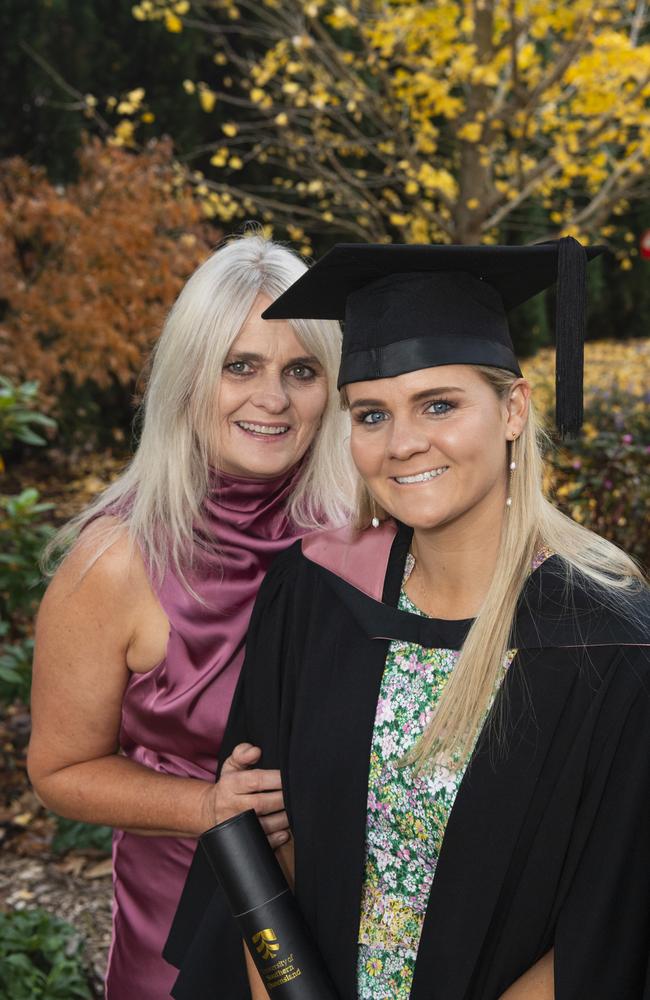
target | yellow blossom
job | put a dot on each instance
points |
(219, 157)
(437, 180)
(341, 18)
(470, 131)
(229, 129)
(124, 132)
(172, 22)
(207, 99)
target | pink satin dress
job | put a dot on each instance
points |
(173, 717)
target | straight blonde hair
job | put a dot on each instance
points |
(159, 496)
(531, 523)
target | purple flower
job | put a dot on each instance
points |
(627, 439)
(576, 463)
(608, 484)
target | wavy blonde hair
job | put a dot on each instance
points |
(531, 523)
(160, 494)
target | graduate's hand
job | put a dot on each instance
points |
(243, 786)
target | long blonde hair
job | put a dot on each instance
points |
(531, 523)
(159, 495)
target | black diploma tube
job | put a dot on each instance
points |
(266, 910)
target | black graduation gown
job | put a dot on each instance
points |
(548, 841)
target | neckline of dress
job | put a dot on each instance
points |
(540, 557)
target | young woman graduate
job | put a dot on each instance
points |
(458, 693)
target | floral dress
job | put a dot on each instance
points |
(407, 816)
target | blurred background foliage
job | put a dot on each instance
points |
(40, 958)
(135, 136)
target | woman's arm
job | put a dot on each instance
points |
(536, 984)
(89, 637)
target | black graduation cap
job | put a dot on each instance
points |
(416, 306)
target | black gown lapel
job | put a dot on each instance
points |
(483, 829)
(337, 713)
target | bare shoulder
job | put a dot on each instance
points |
(101, 595)
(103, 562)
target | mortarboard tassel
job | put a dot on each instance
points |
(570, 322)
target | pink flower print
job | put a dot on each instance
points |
(388, 744)
(411, 665)
(385, 712)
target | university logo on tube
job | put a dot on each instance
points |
(266, 942)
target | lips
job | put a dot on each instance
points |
(271, 430)
(421, 477)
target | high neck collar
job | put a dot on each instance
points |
(245, 495)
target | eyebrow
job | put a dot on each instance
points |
(261, 358)
(415, 398)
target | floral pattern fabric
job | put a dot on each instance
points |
(407, 816)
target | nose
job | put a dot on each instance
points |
(406, 440)
(271, 394)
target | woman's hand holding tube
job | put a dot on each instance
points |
(243, 786)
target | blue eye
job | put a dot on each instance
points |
(439, 407)
(373, 417)
(302, 372)
(238, 367)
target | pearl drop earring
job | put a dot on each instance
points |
(512, 466)
(375, 520)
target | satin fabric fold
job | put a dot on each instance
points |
(174, 716)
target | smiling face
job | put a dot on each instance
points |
(431, 444)
(271, 399)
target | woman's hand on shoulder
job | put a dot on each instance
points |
(242, 786)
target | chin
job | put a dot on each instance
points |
(268, 470)
(417, 516)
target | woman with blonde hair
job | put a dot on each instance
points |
(463, 681)
(140, 637)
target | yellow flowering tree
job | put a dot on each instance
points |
(448, 120)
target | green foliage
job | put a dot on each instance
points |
(603, 482)
(22, 537)
(18, 418)
(600, 479)
(73, 836)
(40, 958)
(15, 668)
